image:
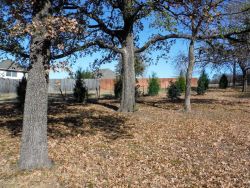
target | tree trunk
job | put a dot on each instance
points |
(34, 149)
(128, 76)
(189, 77)
(244, 86)
(234, 75)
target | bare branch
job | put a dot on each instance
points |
(14, 51)
(100, 43)
(158, 38)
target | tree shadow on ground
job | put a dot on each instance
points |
(12, 100)
(11, 118)
(240, 95)
(178, 104)
(107, 103)
(163, 104)
(13, 125)
(64, 121)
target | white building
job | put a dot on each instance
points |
(11, 70)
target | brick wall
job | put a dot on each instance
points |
(108, 84)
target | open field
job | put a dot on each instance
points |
(157, 146)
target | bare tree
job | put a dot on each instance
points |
(195, 21)
(115, 25)
(38, 32)
(233, 51)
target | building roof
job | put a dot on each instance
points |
(106, 74)
(11, 65)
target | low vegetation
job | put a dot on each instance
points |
(181, 83)
(80, 90)
(174, 90)
(223, 84)
(21, 91)
(153, 85)
(203, 83)
(118, 88)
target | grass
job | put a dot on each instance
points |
(157, 146)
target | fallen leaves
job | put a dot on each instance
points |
(157, 146)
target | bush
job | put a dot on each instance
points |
(21, 91)
(118, 88)
(174, 91)
(154, 85)
(181, 83)
(223, 84)
(80, 90)
(203, 83)
(138, 93)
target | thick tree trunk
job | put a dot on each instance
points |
(244, 86)
(34, 149)
(187, 106)
(234, 75)
(128, 76)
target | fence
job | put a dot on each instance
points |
(55, 85)
(8, 86)
(108, 84)
(67, 85)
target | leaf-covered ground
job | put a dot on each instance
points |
(157, 146)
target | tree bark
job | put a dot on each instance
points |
(234, 75)
(244, 86)
(34, 149)
(189, 73)
(128, 76)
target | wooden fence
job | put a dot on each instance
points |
(8, 86)
(66, 86)
(55, 85)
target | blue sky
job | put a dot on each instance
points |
(165, 68)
